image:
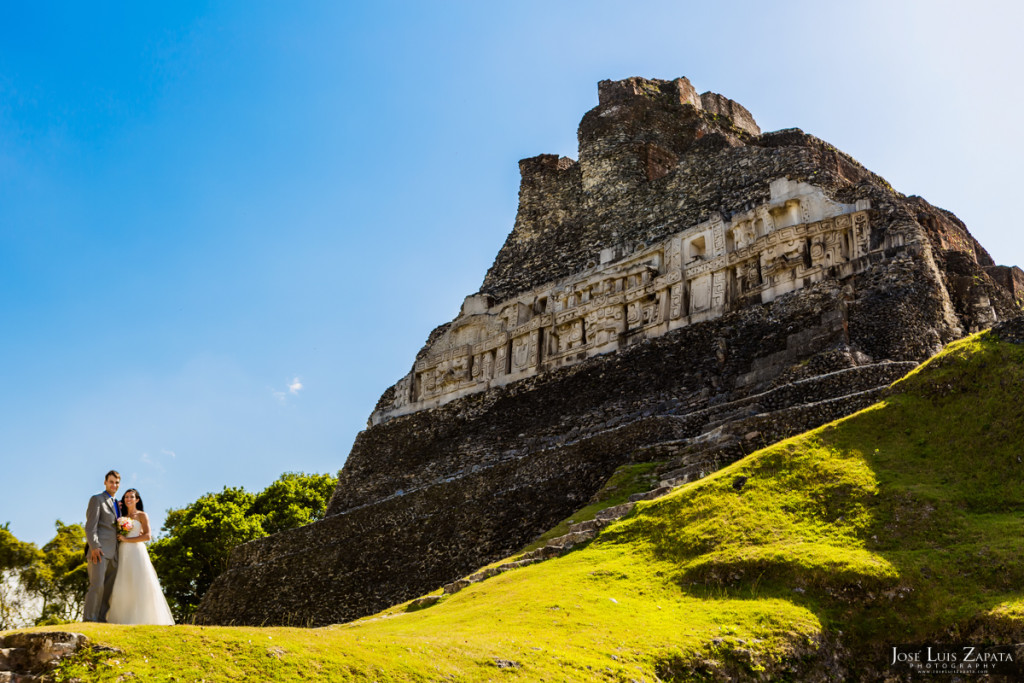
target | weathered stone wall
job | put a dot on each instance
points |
(432, 492)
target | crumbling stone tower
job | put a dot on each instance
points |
(688, 290)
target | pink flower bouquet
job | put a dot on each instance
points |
(124, 525)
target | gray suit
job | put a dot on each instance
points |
(100, 532)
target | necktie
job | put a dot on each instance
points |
(117, 510)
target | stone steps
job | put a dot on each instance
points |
(614, 512)
(820, 387)
(692, 458)
(657, 492)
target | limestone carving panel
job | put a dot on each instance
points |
(743, 235)
(521, 353)
(651, 311)
(634, 314)
(674, 255)
(501, 361)
(700, 294)
(718, 289)
(642, 312)
(676, 302)
(861, 235)
(604, 325)
(749, 275)
(570, 335)
(706, 266)
(718, 234)
(403, 391)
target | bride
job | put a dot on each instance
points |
(136, 597)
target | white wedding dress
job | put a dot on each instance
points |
(136, 597)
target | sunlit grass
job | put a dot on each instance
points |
(899, 524)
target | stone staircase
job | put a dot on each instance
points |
(831, 385)
(724, 433)
(721, 434)
(31, 657)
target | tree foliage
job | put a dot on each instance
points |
(294, 500)
(58, 575)
(195, 544)
(14, 554)
(196, 541)
(15, 601)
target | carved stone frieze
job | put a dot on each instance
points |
(798, 237)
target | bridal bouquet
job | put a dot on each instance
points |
(124, 525)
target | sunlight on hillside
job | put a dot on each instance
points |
(898, 524)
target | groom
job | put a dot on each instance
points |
(101, 538)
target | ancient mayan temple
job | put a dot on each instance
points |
(688, 290)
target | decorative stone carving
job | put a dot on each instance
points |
(570, 336)
(749, 276)
(717, 290)
(676, 302)
(700, 294)
(520, 353)
(861, 235)
(674, 255)
(501, 361)
(799, 236)
(403, 391)
(604, 325)
(718, 234)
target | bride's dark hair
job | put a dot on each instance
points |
(138, 500)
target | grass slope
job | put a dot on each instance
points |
(899, 524)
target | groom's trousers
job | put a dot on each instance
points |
(101, 581)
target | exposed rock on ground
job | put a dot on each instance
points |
(29, 657)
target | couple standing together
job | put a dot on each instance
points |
(123, 588)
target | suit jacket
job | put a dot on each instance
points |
(101, 525)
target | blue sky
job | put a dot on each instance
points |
(227, 227)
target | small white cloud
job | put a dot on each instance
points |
(292, 388)
(170, 453)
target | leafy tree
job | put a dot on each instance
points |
(14, 554)
(294, 500)
(59, 575)
(15, 557)
(195, 543)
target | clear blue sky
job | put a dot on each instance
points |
(204, 206)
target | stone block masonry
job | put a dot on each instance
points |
(687, 290)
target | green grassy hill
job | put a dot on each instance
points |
(900, 524)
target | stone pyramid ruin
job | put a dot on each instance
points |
(688, 290)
